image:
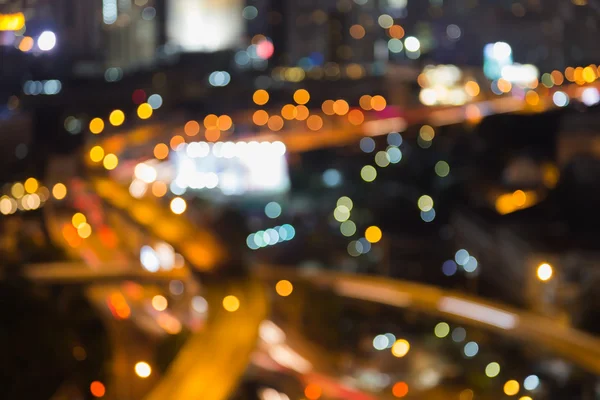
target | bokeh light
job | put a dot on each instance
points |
(492, 370)
(59, 191)
(143, 369)
(231, 303)
(116, 118)
(373, 234)
(400, 348)
(284, 288)
(144, 111)
(97, 389)
(260, 97)
(511, 388)
(110, 161)
(400, 389)
(96, 126)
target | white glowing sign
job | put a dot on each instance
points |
(205, 25)
(234, 168)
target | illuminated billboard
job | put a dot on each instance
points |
(205, 25)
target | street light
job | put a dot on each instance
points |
(544, 272)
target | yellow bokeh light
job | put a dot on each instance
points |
(472, 88)
(161, 151)
(302, 113)
(110, 161)
(78, 219)
(368, 173)
(341, 107)
(327, 107)
(373, 234)
(224, 122)
(589, 74)
(301, 96)
(427, 133)
(144, 111)
(143, 369)
(289, 112)
(275, 123)
(544, 272)
(178, 205)
(96, 126)
(84, 230)
(17, 190)
(400, 348)
(525, 398)
(260, 117)
(116, 118)
(378, 103)
(159, 303)
(365, 102)
(284, 288)
(314, 122)
(96, 154)
(511, 388)
(425, 203)
(59, 191)
(260, 97)
(31, 185)
(231, 303)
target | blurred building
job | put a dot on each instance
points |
(88, 37)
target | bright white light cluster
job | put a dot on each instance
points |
(234, 168)
(271, 236)
(162, 256)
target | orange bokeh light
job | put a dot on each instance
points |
(365, 102)
(327, 107)
(191, 128)
(275, 123)
(224, 122)
(212, 135)
(378, 103)
(313, 391)
(289, 112)
(356, 117)
(211, 121)
(302, 113)
(314, 122)
(260, 117)
(341, 107)
(97, 389)
(176, 141)
(161, 151)
(396, 32)
(400, 389)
